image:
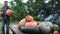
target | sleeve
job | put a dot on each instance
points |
(2, 9)
(9, 8)
(1, 12)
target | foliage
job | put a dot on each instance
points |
(1, 5)
(18, 8)
(19, 11)
(35, 8)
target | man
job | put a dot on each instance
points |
(5, 18)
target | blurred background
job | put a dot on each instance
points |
(41, 10)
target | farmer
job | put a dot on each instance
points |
(5, 18)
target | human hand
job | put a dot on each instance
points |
(1, 13)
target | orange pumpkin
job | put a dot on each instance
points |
(31, 24)
(56, 32)
(29, 18)
(9, 12)
(21, 23)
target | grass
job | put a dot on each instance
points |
(10, 23)
(0, 28)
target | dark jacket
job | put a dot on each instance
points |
(4, 9)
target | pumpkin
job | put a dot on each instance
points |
(30, 24)
(21, 23)
(42, 25)
(55, 27)
(49, 24)
(9, 12)
(44, 28)
(29, 18)
(55, 32)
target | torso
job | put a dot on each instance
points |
(4, 9)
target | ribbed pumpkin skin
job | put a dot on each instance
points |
(21, 23)
(55, 27)
(44, 27)
(55, 32)
(9, 12)
(30, 24)
(29, 18)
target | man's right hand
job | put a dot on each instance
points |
(1, 13)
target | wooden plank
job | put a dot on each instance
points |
(15, 30)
